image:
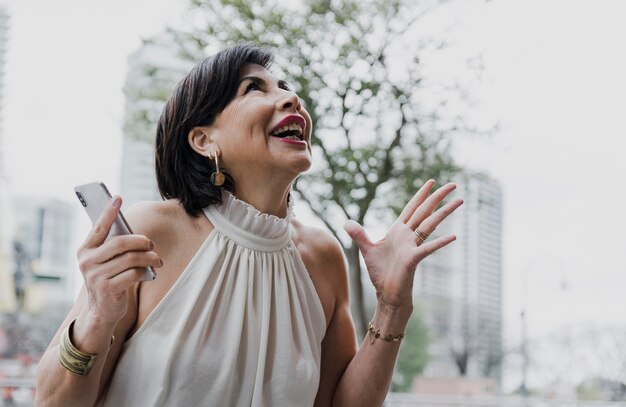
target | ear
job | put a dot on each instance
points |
(201, 139)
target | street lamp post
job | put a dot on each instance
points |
(524, 391)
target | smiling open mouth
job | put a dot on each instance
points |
(292, 131)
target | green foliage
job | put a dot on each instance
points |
(371, 133)
(357, 69)
(413, 354)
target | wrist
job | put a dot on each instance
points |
(71, 358)
(386, 310)
(392, 320)
(91, 333)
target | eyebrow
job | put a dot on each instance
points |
(261, 81)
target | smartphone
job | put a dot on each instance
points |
(95, 197)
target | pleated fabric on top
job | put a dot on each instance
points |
(242, 326)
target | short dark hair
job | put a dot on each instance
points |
(199, 97)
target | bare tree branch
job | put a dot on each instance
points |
(317, 213)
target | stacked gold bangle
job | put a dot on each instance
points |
(375, 334)
(72, 359)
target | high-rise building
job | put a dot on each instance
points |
(4, 31)
(7, 290)
(477, 314)
(434, 299)
(153, 71)
(461, 288)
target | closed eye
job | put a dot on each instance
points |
(285, 86)
(252, 86)
(258, 84)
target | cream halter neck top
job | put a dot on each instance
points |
(242, 325)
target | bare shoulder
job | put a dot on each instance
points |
(323, 257)
(164, 221)
(151, 218)
(318, 244)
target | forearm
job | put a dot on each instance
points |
(56, 386)
(366, 380)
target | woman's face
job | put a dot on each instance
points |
(264, 129)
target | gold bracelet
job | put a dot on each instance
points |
(72, 359)
(375, 334)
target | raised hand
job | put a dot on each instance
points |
(392, 261)
(110, 267)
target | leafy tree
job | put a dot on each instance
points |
(357, 69)
(381, 127)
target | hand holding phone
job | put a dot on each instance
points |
(95, 197)
(111, 259)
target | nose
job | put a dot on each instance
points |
(289, 101)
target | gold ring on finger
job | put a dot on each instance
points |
(421, 235)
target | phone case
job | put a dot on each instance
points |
(94, 197)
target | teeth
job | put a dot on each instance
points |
(291, 126)
(293, 138)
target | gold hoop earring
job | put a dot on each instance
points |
(217, 178)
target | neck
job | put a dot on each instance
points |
(271, 198)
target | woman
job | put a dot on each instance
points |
(250, 306)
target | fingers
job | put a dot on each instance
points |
(428, 206)
(117, 255)
(121, 244)
(426, 249)
(125, 279)
(429, 225)
(109, 282)
(101, 227)
(358, 235)
(416, 201)
(124, 262)
(109, 291)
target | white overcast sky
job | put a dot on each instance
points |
(554, 77)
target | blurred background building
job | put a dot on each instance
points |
(4, 32)
(44, 270)
(41, 289)
(7, 290)
(153, 71)
(478, 286)
(461, 290)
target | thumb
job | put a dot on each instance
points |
(358, 234)
(102, 226)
